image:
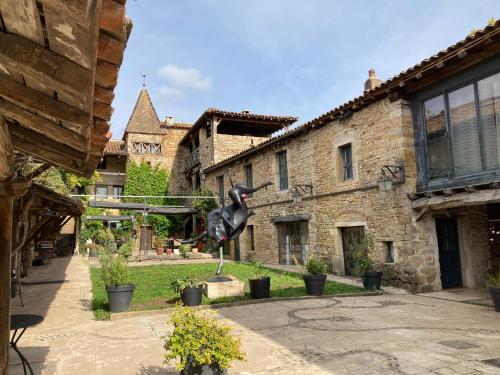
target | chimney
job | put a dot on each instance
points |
(372, 80)
(169, 120)
(246, 111)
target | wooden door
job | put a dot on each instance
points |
(146, 239)
(352, 241)
(449, 252)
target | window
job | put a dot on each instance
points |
(208, 129)
(102, 164)
(248, 175)
(281, 164)
(114, 224)
(251, 237)
(220, 186)
(145, 148)
(117, 191)
(389, 251)
(101, 191)
(346, 157)
(460, 128)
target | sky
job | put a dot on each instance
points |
(280, 57)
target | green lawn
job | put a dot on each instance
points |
(153, 285)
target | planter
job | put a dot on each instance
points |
(495, 296)
(201, 246)
(169, 251)
(192, 296)
(372, 280)
(212, 369)
(119, 297)
(159, 251)
(260, 288)
(315, 284)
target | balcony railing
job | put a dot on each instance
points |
(193, 159)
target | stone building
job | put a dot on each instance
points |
(431, 132)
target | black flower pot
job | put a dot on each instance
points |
(119, 297)
(192, 296)
(212, 369)
(372, 280)
(495, 296)
(260, 288)
(315, 284)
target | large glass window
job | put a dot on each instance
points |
(489, 107)
(101, 191)
(437, 137)
(465, 131)
(462, 129)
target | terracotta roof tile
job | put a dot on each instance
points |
(115, 147)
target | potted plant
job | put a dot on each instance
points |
(371, 278)
(315, 279)
(260, 283)
(493, 284)
(200, 343)
(184, 249)
(159, 243)
(117, 280)
(191, 290)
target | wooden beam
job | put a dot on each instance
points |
(46, 66)
(102, 110)
(38, 102)
(110, 49)
(103, 95)
(76, 10)
(43, 126)
(21, 17)
(106, 74)
(113, 18)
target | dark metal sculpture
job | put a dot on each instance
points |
(227, 222)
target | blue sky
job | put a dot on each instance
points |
(290, 57)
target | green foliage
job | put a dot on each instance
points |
(125, 249)
(77, 182)
(186, 282)
(114, 270)
(204, 205)
(105, 238)
(259, 271)
(493, 280)
(184, 249)
(316, 265)
(362, 256)
(159, 242)
(53, 179)
(200, 337)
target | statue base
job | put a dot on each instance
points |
(226, 286)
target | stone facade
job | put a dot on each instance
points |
(379, 134)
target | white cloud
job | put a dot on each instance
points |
(185, 77)
(170, 92)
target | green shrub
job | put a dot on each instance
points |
(184, 249)
(493, 280)
(362, 256)
(186, 282)
(316, 265)
(105, 238)
(125, 250)
(258, 270)
(199, 337)
(114, 270)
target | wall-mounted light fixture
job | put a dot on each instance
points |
(305, 189)
(390, 174)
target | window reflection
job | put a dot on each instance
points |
(489, 107)
(437, 138)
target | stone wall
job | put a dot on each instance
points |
(380, 134)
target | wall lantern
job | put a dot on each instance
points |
(297, 196)
(390, 174)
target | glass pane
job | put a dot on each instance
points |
(466, 149)
(101, 191)
(489, 102)
(437, 138)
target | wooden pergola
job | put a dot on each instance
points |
(59, 63)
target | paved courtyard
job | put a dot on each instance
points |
(390, 334)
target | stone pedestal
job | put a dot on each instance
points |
(231, 287)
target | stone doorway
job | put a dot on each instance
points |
(352, 240)
(449, 252)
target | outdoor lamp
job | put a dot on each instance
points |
(296, 196)
(384, 183)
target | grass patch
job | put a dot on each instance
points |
(153, 288)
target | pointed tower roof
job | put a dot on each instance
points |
(144, 118)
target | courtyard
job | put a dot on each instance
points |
(386, 334)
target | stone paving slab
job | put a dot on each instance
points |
(387, 334)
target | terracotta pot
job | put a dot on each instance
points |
(159, 251)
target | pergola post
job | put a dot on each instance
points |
(6, 213)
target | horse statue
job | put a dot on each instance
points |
(227, 222)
